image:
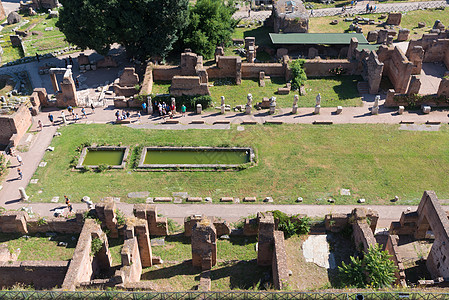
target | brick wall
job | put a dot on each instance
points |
(363, 236)
(39, 274)
(392, 248)
(131, 267)
(279, 264)
(147, 84)
(16, 124)
(165, 73)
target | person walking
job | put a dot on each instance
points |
(37, 57)
(39, 125)
(83, 111)
(19, 172)
(92, 108)
(51, 119)
(183, 110)
(138, 115)
(19, 160)
(67, 202)
(144, 107)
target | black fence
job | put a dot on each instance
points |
(250, 295)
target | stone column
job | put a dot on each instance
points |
(375, 109)
(23, 194)
(265, 240)
(295, 105)
(272, 105)
(222, 107)
(149, 105)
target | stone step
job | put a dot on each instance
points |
(363, 87)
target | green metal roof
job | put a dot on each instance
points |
(368, 47)
(316, 38)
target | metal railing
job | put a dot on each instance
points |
(244, 295)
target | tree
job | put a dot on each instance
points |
(144, 27)
(375, 270)
(298, 73)
(210, 25)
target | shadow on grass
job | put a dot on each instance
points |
(184, 268)
(347, 89)
(178, 238)
(261, 35)
(242, 240)
(242, 275)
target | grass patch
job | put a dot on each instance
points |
(334, 91)
(177, 248)
(409, 20)
(39, 247)
(375, 162)
(115, 247)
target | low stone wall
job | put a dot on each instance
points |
(279, 264)
(147, 83)
(321, 67)
(394, 99)
(157, 226)
(131, 266)
(406, 225)
(38, 274)
(188, 86)
(252, 70)
(106, 212)
(165, 73)
(83, 265)
(392, 248)
(221, 226)
(14, 221)
(363, 236)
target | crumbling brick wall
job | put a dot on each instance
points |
(131, 268)
(14, 126)
(106, 212)
(83, 265)
(279, 263)
(147, 83)
(39, 274)
(392, 248)
(204, 245)
(265, 239)
(157, 226)
(221, 226)
(396, 66)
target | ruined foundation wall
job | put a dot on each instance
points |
(363, 235)
(131, 269)
(39, 274)
(320, 67)
(393, 250)
(396, 66)
(279, 265)
(147, 83)
(165, 73)
(13, 127)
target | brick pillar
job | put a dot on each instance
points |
(143, 239)
(266, 238)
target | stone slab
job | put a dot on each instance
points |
(34, 181)
(54, 200)
(345, 192)
(162, 199)
(138, 194)
(194, 199)
(42, 164)
(226, 199)
(157, 242)
(316, 249)
(249, 199)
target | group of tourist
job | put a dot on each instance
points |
(169, 110)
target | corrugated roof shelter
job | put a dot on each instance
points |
(316, 38)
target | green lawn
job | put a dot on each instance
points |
(375, 162)
(334, 91)
(409, 20)
(40, 42)
(39, 247)
(236, 265)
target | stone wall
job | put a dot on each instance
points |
(165, 73)
(157, 226)
(204, 245)
(13, 127)
(84, 266)
(147, 83)
(221, 226)
(265, 239)
(131, 269)
(396, 66)
(279, 263)
(106, 212)
(392, 248)
(38, 274)
(188, 85)
(226, 67)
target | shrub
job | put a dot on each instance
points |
(2, 164)
(96, 246)
(102, 168)
(374, 270)
(41, 222)
(298, 73)
(291, 225)
(337, 71)
(120, 216)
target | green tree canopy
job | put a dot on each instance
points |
(210, 25)
(144, 27)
